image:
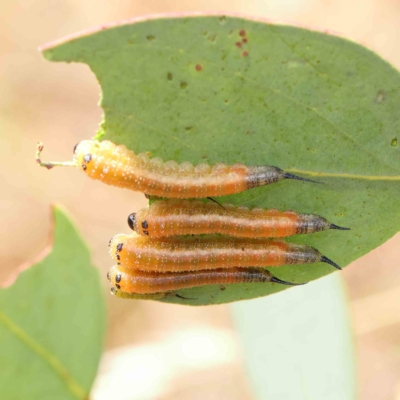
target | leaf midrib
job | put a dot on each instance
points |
(76, 390)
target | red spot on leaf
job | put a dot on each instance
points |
(245, 53)
(199, 67)
(238, 44)
(244, 40)
(242, 32)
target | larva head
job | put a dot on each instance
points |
(139, 222)
(116, 246)
(84, 153)
(119, 279)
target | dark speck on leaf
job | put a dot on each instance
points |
(150, 37)
(242, 32)
(199, 67)
(183, 85)
(169, 76)
(380, 96)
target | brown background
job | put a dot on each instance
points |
(56, 104)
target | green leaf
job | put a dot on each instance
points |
(294, 348)
(52, 323)
(190, 89)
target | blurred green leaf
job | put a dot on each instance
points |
(52, 323)
(222, 89)
(297, 345)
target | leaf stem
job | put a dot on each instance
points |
(51, 164)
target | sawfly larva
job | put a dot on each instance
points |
(184, 217)
(116, 165)
(145, 282)
(174, 254)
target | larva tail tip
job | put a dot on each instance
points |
(288, 175)
(328, 261)
(277, 280)
(340, 228)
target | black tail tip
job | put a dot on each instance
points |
(277, 280)
(288, 175)
(328, 261)
(340, 228)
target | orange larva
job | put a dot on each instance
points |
(116, 165)
(199, 253)
(184, 217)
(145, 282)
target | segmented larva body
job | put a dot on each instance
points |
(118, 166)
(201, 253)
(144, 282)
(184, 217)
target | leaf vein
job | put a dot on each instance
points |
(42, 353)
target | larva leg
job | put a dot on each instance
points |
(215, 201)
(51, 164)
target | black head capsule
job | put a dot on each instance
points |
(328, 261)
(132, 220)
(277, 280)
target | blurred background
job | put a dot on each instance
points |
(57, 104)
